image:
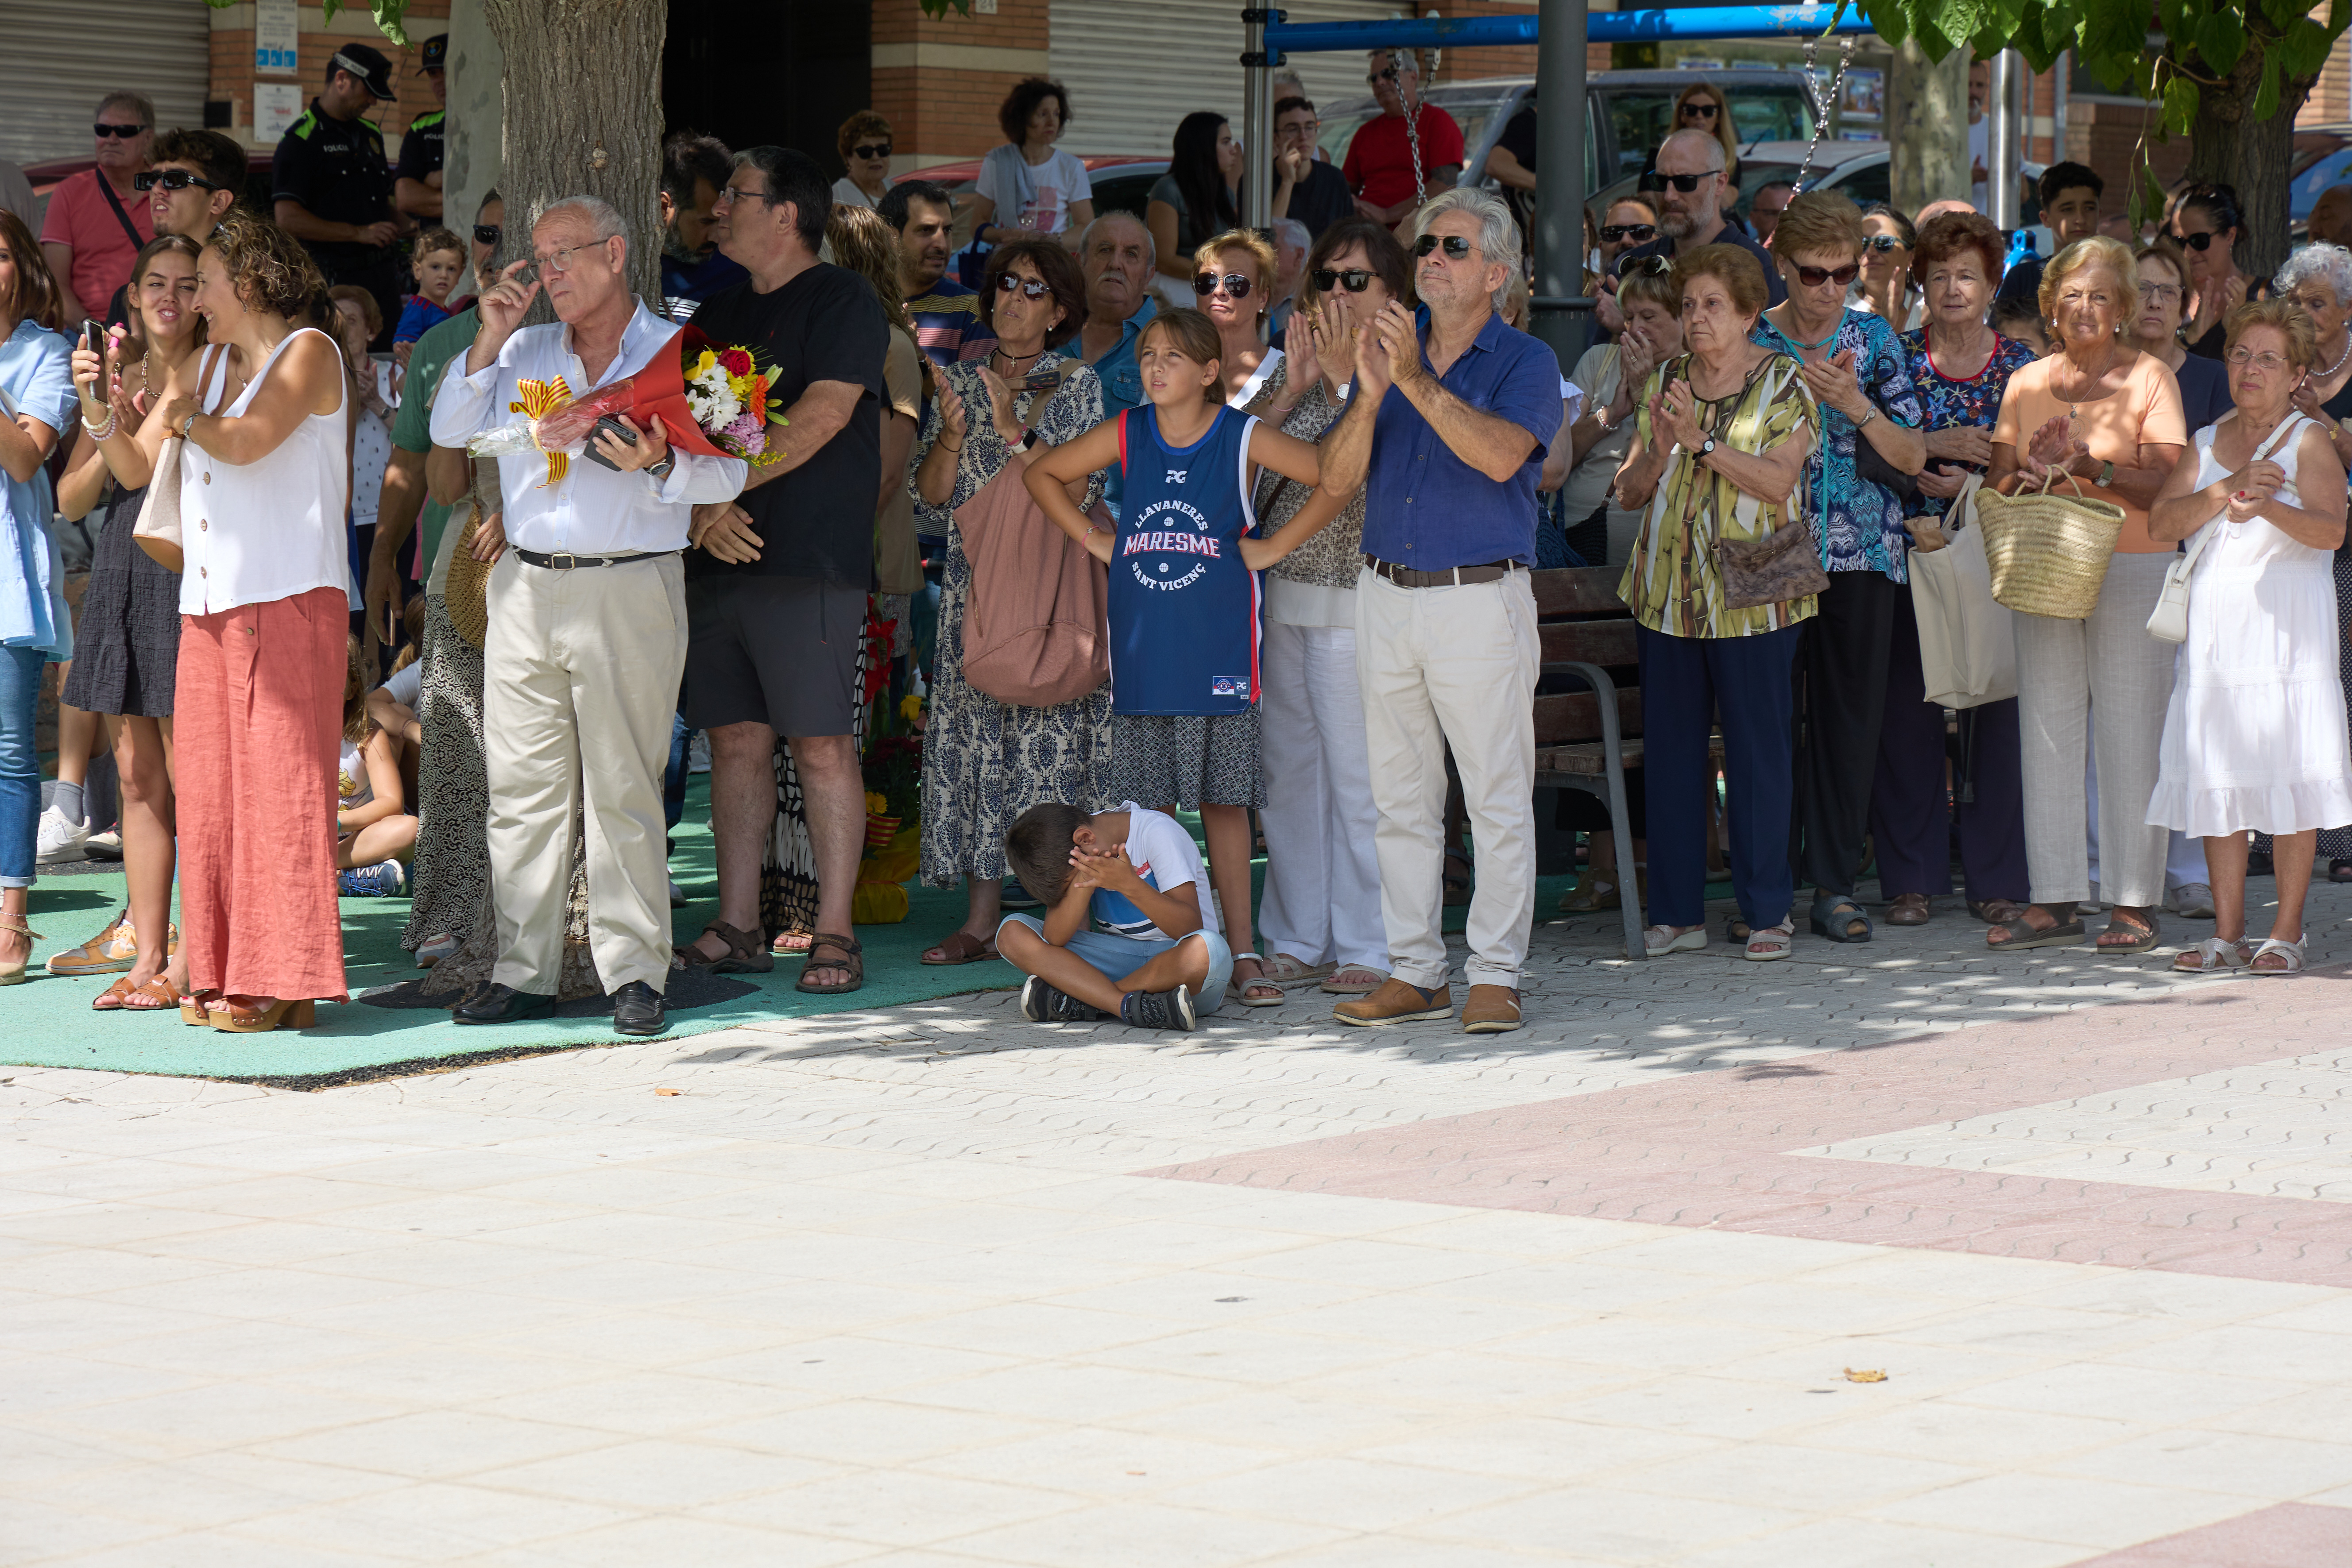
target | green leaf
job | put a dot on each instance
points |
(2305, 48)
(2266, 97)
(2172, 18)
(2221, 40)
(2148, 198)
(2180, 101)
(1890, 20)
(938, 8)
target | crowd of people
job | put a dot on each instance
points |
(1165, 514)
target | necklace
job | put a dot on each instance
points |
(2090, 381)
(1824, 343)
(2338, 365)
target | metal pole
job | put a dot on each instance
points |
(1559, 177)
(1257, 121)
(2058, 91)
(2000, 140)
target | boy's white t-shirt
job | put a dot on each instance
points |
(1166, 858)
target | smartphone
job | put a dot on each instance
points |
(93, 338)
(628, 438)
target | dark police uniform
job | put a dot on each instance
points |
(336, 168)
(420, 147)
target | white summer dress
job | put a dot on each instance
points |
(2255, 735)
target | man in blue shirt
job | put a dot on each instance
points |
(1451, 426)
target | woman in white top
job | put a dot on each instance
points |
(265, 468)
(2254, 736)
(1232, 278)
(863, 144)
(1026, 188)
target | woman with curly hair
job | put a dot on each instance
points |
(1026, 189)
(265, 606)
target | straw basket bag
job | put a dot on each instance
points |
(2048, 553)
(465, 591)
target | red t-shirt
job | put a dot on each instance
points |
(79, 217)
(1379, 156)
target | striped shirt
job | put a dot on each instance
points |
(947, 323)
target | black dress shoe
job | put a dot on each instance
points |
(638, 1010)
(494, 1003)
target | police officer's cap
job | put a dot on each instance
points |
(434, 53)
(372, 69)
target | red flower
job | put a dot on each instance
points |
(735, 362)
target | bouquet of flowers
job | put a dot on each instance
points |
(711, 400)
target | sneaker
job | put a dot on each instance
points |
(60, 840)
(677, 895)
(2193, 901)
(382, 881)
(698, 752)
(1019, 897)
(1157, 1009)
(1042, 1003)
(105, 846)
(113, 951)
(433, 950)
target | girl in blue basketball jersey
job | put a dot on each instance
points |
(1184, 594)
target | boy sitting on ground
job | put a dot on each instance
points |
(1160, 960)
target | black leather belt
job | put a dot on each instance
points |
(563, 561)
(1452, 577)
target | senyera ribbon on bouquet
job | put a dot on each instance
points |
(711, 399)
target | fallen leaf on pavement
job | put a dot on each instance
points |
(1853, 1376)
(666, 1091)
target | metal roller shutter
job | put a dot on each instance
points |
(59, 58)
(1133, 71)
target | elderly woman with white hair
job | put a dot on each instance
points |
(1452, 420)
(2318, 279)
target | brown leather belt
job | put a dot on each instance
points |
(1452, 577)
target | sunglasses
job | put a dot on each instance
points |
(1456, 247)
(1814, 277)
(1644, 267)
(2197, 241)
(1882, 244)
(1643, 232)
(1030, 288)
(1356, 279)
(1236, 285)
(1379, 77)
(1654, 181)
(1704, 110)
(874, 150)
(170, 180)
(125, 132)
(486, 234)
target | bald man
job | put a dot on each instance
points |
(2331, 216)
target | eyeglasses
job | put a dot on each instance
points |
(2197, 241)
(1308, 127)
(729, 194)
(486, 234)
(560, 262)
(1882, 244)
(1639, 233)
(170, 180)
(1814, 277)
(1030, 288)
(1644, 267)
(2159, 293)
(2266, 363)
(1236, 284)
(1379, 77)
(1704, 110)
(871, 150)
(125, 132)
(1686, 184)
(1456, 247)
(1356, 279)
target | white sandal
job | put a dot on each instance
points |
(1659, 940)
(1355, 980)
(2289, 951)
(2212, 956)
(1238, 990)
(1284, 970)
(1768, 943)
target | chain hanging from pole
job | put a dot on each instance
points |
(1821, 101)
(1413, 119)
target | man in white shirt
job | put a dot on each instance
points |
(587, 625)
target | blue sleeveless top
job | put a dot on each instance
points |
(1184, 608)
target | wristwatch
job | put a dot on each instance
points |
(663, 469)
(1029, 439)
(1704, 449)
(186, 423)
(2106, 476)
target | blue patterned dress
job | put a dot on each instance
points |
(1952, 405)
(1858, 524)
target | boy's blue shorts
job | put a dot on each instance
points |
(1116, 958)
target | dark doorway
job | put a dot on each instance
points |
(755, 71)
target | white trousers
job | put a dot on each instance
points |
(1322, 899)
(2095, 687)
(580, 686)
(1440, 667)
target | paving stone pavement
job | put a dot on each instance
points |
(934, 1287)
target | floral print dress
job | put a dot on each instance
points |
(985, 762)
(1954, 404)
(1858, 524)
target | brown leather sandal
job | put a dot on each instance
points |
(960, 947)
(158, 995)
(747, 952)
(853, 958)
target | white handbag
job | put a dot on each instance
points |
(1967, 648)
(2168, 622)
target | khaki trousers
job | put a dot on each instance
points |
(1439, 667)
(579, 684)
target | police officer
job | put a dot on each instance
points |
(417, 184)
(332, 188)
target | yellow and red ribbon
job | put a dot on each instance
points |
(538, 400)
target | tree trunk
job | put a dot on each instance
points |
(2229, 146)
(1925, 102)
(584, 117)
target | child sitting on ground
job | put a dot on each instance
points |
(1160, 960)
(374, 837)
(439, 263)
